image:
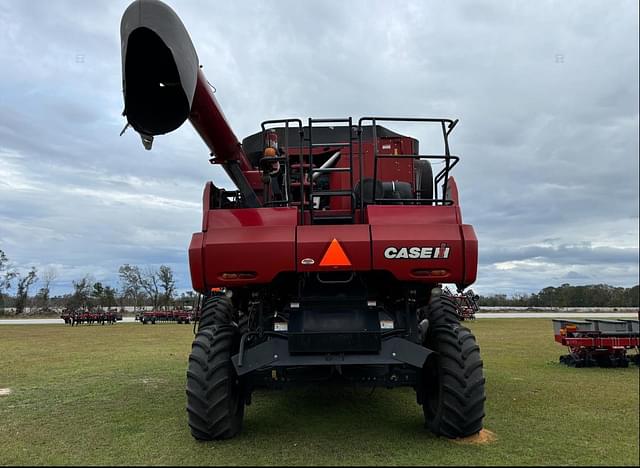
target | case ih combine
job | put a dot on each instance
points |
(330, 252)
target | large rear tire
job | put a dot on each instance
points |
(217, 310)
(452, 392)
(215, 401)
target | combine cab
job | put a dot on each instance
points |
(330, 252)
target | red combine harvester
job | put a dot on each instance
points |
(331, 250)
(598, 342)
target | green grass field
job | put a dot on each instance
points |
(115, 395)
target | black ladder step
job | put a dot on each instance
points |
(330, 145)
(332, 219)
(316, 215)
(333, 193)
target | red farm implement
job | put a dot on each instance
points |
(90, 317)
(597, 342)
(466, 303)
(331, 250)
(177, 315)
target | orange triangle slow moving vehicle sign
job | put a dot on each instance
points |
(335, 256)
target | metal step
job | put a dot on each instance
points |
(332, 219)
(330, 145)
(333, 193)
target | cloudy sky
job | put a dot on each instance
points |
(546, 93)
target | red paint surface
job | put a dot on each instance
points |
(209, 121)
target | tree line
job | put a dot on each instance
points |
(155, 287)
(593, 295)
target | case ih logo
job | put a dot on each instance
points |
(417, 252)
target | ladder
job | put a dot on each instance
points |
(318, 216)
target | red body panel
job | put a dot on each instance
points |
(252, 217)
(195, 262)
(470, 254)
(411, 215)
(417, 227)
(441, 236)
(206, 205)
(260, 242)
(452, 192)
(263, 242)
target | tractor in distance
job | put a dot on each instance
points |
(331, 251)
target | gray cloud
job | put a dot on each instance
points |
(584, 254)
(546, 94)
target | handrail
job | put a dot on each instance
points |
(306, 145)
(447, 126)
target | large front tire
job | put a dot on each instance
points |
(452, 392)
(215, 402)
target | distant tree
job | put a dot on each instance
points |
(81, 294)
(7, 274)
(134, 281)
(187, 299)
(167, 283)
(130, 282)
(593, 295)
(43, 296)
(188, 296)
(109, 297)
(22, 292)
(97, 293)
(151, 285)
(631, 297)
